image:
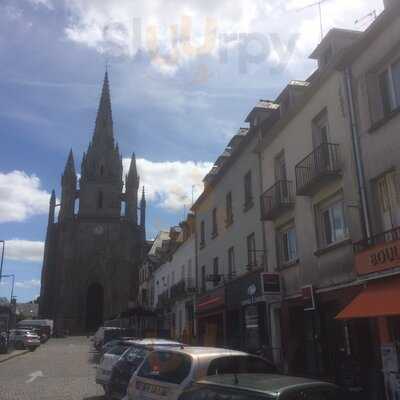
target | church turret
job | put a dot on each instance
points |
(143, 211)
(101, 171)
(68, 190)
(131, 194)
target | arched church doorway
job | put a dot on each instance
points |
(94, 306)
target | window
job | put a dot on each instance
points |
(332, 223)
(202, 235)
(100, 200)
(240, 364)
(164, 366)
(248, 191)
(287, 246)
(229, 210)
(251, 251)
(231, 262)
(203, 278)
(216, 271)
(387, 191)
(214, 223)
(389, 85)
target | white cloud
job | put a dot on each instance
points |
(24, 250)
(172, 32)
(31, 284)
(21, 196)
(169, 184)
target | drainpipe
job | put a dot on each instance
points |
(260, 174)
(366, 225)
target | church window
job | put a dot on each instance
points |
(100, 200)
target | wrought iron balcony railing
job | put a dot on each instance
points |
(319, 167)
(383, 237)
(277, 199)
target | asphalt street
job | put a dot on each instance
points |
(61, 369)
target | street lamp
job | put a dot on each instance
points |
(3, 242)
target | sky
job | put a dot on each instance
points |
(183, 77)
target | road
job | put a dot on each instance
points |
(61, 369)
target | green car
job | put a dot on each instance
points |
(261, 387)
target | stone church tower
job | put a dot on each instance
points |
(92, 252)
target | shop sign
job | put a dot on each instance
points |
(251, 317)
(211, 300)
(378, 258)
(308, 295)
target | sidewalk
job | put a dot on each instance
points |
(12, 354)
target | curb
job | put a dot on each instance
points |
(11, 356)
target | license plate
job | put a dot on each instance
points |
(150, 388)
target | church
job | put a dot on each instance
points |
(94, 246)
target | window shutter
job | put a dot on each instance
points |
(374, 98)
(396, 184)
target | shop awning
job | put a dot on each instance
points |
(378, 299)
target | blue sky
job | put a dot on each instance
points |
(176, 102)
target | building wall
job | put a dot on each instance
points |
(380, 144)
(244, 222)
(328, 266)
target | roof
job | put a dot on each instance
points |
(209, 351)
(337, 33)
(156, 342)
(271, 384)
(158, 241)
(262, 105)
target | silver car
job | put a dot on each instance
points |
(165, 373)
(24, 338)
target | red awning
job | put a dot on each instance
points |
(379, 299)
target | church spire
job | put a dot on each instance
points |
(104, 124)
(69, 175)
(132, 178)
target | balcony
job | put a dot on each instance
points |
(182, 289)
(276, 200)
(318, 168)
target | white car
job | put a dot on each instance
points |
(24, 338)
(165, 373)
(107, 361)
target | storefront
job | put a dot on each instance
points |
(317, 344)
(247, 310)
(211, 318)
(378, 304)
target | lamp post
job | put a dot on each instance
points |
(12, 285)
(3, 242)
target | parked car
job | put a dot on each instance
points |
(107, 361)
(166, 373)
(3, 343)
(113, 343)
(130, 361)
(23, 338)
(260, 387)
(105, 334)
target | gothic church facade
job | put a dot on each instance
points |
(93, 250)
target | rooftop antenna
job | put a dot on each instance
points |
(373, 14)
(319, 5)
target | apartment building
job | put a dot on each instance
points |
(230, 250)
(336, 131)
(372, 72)
(175, 284)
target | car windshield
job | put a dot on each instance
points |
(135, 354)
(117, 350)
